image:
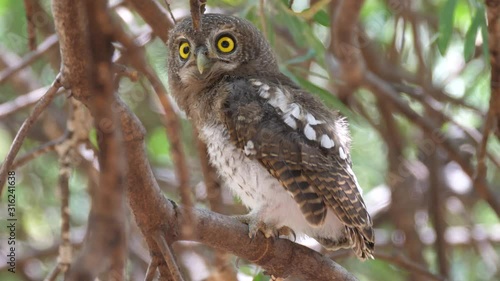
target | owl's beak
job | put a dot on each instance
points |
(202, 61)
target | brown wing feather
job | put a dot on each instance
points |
(339, 190)
(314, 176)
(250, 119)
(283, 161)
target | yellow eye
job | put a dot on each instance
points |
(184, 50)
(225, 44)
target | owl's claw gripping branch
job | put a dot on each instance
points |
(269, 230)
(255, 225)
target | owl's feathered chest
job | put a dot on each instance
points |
(257, 189)
(246, 177)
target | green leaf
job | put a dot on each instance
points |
(446, 16)
(93, 138)
(302, 33)
(309, 55)
(328, 98)
(158, 146)
(471, 34)
(484, 34)
(322, 18)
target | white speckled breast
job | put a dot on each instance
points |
(258, 190)
(245, 176)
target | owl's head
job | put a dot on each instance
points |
(225, 45)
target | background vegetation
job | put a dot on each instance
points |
(428, 160)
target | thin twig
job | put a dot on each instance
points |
(262, 16)
(30, 25)
(53, 273)
(31, 254)
(122, 70)
(44, 148)
(437, 210)
(395, 258)
(21, 102)
(167, 255)
(22, 82)
(45, 46)
(65, 248)
(78, 127)
(407, 264)
(197, 9)
(314, 8)
(170, 11)
(22, 132)
(151, 272)
(480, 175)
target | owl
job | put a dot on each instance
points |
(275, 145)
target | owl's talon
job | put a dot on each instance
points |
(237, 263)
(270, 231)
(288, 232)
(273, 278)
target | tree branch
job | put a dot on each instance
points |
(154, 15)
(493, 12)
(279, 257)
(344, 45)
(45, 46)
(197, 9)
(387, 93)
(87, 69)
(27, 124)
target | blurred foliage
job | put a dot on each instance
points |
(300, 40)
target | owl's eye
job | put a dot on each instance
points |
(184, 50)
(225, 44)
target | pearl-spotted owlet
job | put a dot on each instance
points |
(276, 146)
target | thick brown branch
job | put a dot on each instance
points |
(155, 15)
(279, 257)
(172, 123)
(493, 11)
(87, 69)
(72, 31)
(344, 45)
